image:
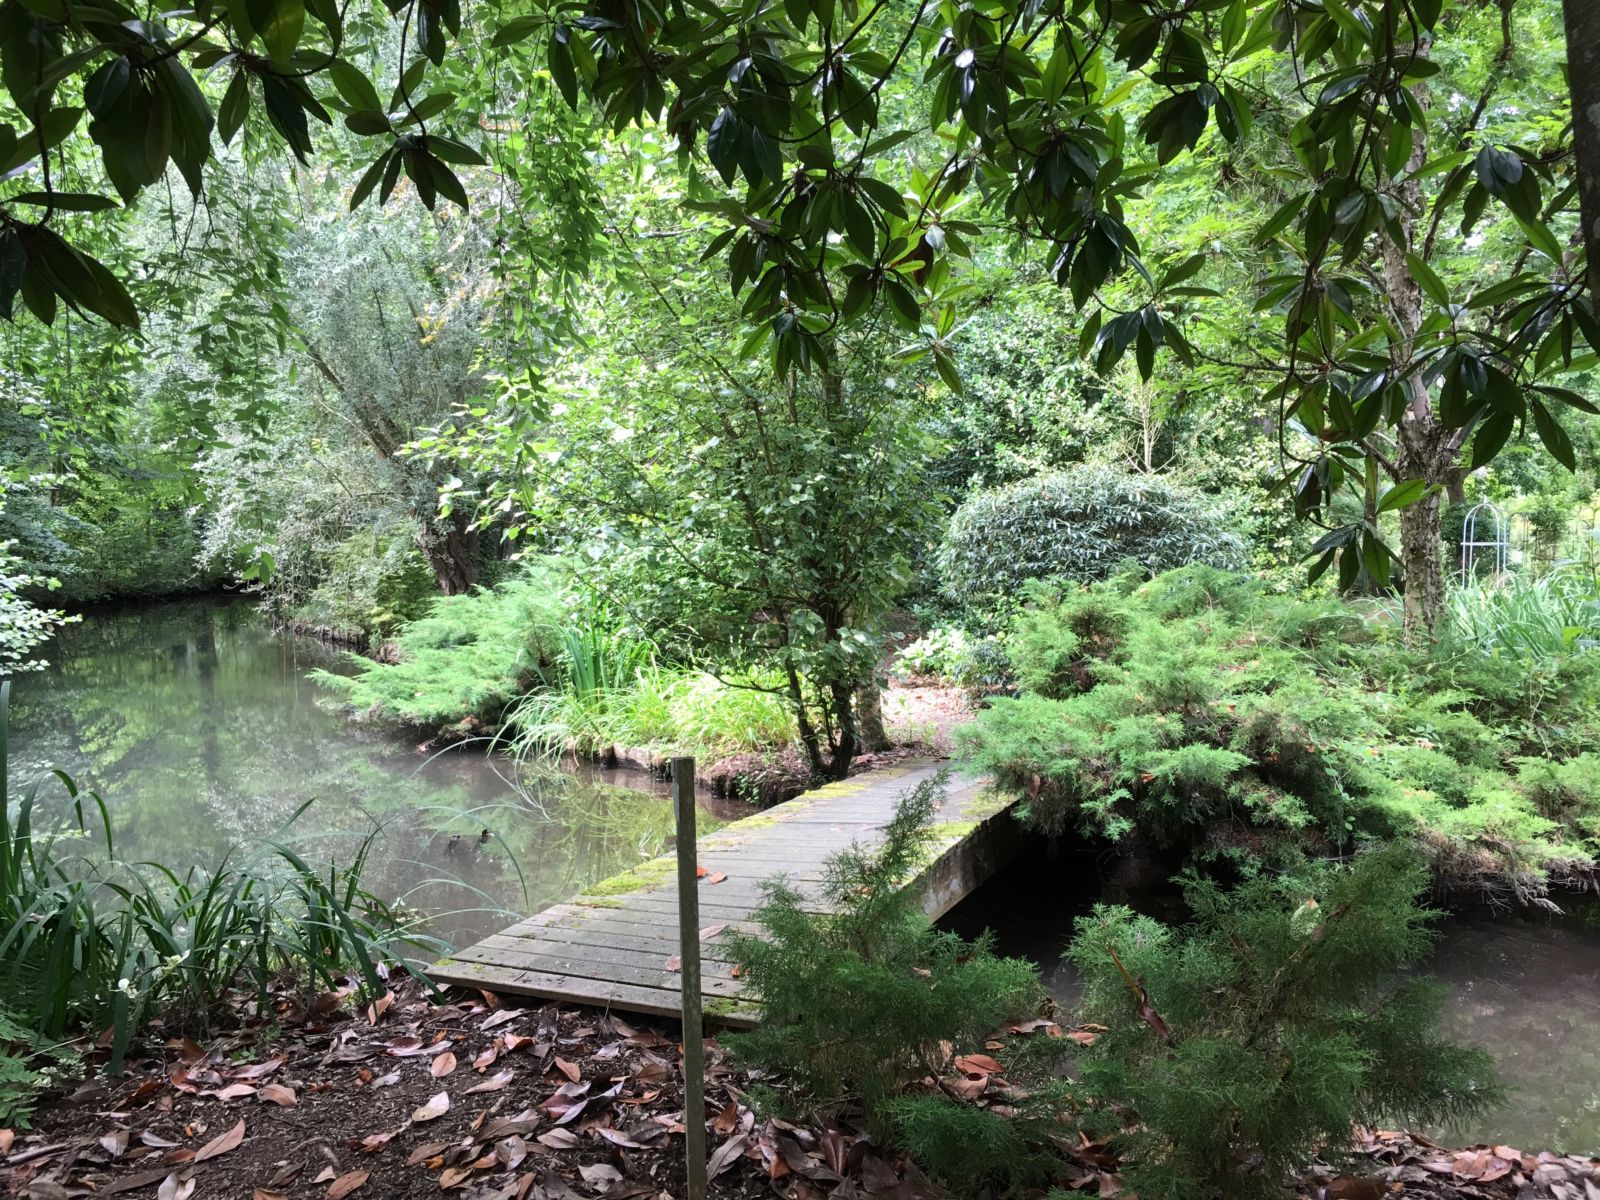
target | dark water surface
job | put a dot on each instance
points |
(198, 727)
(1527, 988)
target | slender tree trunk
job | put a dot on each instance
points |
(1427, 447)
(849, 738)
(1583, 76)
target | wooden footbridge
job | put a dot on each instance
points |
(616, 946)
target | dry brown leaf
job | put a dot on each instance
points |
(424, 1152)
(454, 1177)
(345, 1184)
(492, 1084)
(726, 1155)
(711, 931)
(435, 1108)
(486, 1060)
(221, 1144)
(570, 1070)
(177, 1186)
(443, 1065)
(378, 1007)
(719, 877)
(268, 1194)
(277, 1093)
(235, 1091)
(674, 963)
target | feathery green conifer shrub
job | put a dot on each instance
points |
(861, 1005)
(1208, 717)
(1245, 1044)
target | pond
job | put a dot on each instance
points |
(196, 723)
(1526, 988)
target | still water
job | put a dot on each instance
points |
(197, 725)
(1526, 988)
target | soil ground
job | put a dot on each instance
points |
(478, 1100)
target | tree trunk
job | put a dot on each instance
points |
(848, 739)
(453, 555)
(1421, 559)
(1583, 76)
(869, 716)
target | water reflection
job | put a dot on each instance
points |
(198, 726)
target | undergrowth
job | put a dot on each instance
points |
(1198, 713)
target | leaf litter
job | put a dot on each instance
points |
(579, 1106)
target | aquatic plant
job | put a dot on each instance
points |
(92, 942)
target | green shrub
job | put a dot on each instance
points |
(1239, 1048)
(471, 656)
(862, 1002)
(1216, 720)
(1081, 524)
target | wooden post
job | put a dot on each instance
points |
(694, 1051)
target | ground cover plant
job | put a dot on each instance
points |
(1210, 719)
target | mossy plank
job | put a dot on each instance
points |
(613, 946)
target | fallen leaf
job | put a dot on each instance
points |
(374, 1142)
(454, 1177)
(719, 877)
(674, 963)
(711, 931)
(378, 1007)
(511, 1151)
(443, 1065)
(726, 1155)
(570, 1070)
(221, 1144)
(257, 1070)
(235, 1091)
(486, 1060)
(558, 1139)
(978, 1064)
(277, 1093)
(115, 1143)
(597, 1174)
(389, 1080)
(345, 1184)
(265, 1194)
(502, 1017)
(435, 1108)
(701, 872)
(727, 1120)
(176, 1187)
(492, 1084)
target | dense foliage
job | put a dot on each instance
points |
(1247, 1042)
(1208, 718)
(1080, 525)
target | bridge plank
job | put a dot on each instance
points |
(616, 947)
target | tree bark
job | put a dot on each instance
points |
(453, 556)
(869, 717)
(1427, 448)
(1583, 78)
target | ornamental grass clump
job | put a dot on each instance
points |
(1241, 1047)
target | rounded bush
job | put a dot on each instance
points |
(1081, 524)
